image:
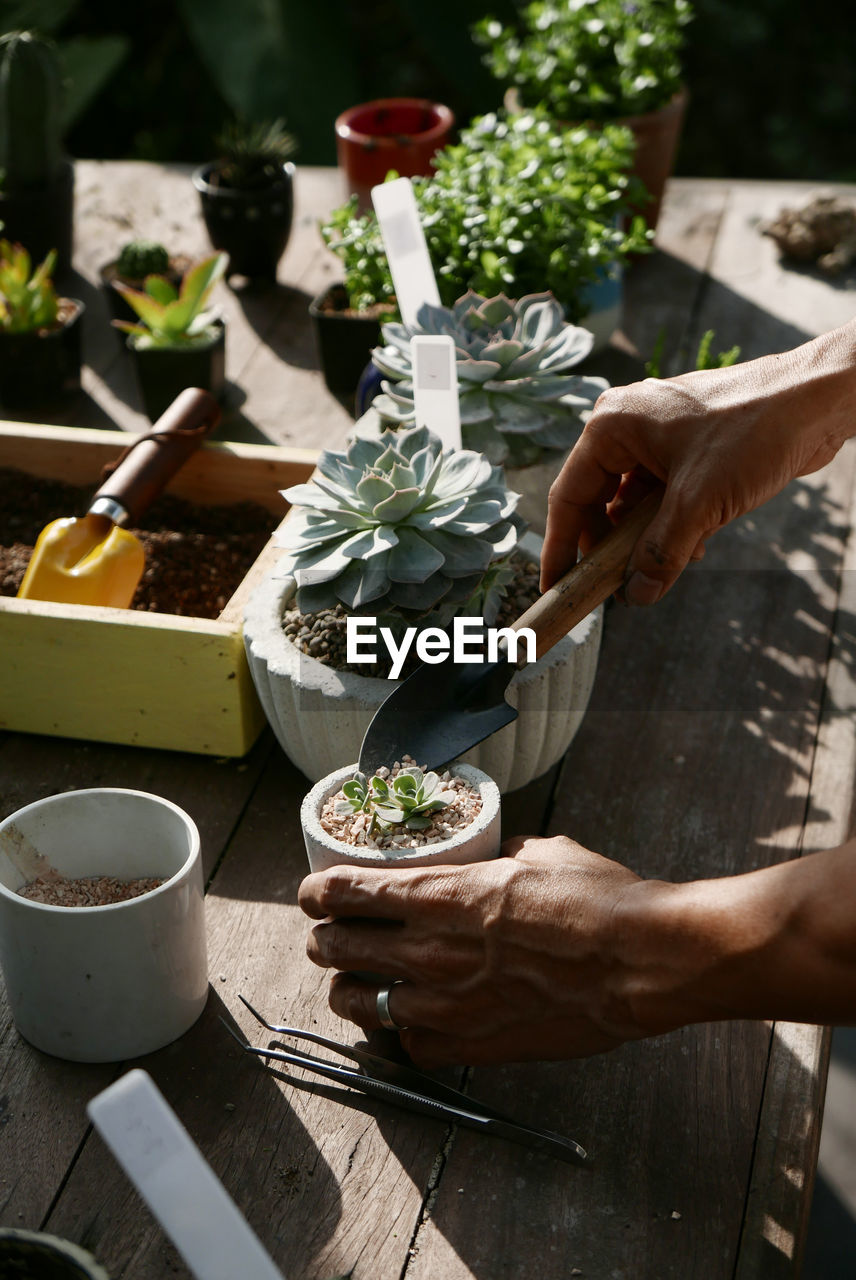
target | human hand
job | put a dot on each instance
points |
(722, 440)
(516, 958)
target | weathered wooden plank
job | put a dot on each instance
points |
(718, 687)
(782, 1178)
(330, 1190)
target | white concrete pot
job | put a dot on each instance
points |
(475, 843)
(320, 715)
(106, 983)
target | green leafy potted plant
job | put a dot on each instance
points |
(39, 332)
(401, 816)
(521, 402)
(247, 196)
(346, 316)
(136, 260)
(519, 206)
(397, 530)
(176, 342)
(601, 61)
(36, 179)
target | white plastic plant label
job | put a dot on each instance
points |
(435, 387)
(406, 249)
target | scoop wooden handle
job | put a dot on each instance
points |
(151, 460)
(591, 580)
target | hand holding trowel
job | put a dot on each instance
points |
(441, 711)
(94, 560)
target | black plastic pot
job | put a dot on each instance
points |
(344, 339)
(164, 372)
(119, 308)
(251, 226)
(42, 218)
(37, 369)
(27, 1254)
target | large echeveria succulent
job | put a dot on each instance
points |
(517, 394)
(396, 526)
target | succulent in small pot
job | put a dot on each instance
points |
(36, 178)
(136, 260)
(397, 530)
(247, 196)
(404, 817)
(39, 332)
(176, 341)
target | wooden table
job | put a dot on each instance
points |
(719, 738)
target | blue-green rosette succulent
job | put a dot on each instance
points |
(517, 394)
(396, 526)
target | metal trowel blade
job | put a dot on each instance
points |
(438, 713)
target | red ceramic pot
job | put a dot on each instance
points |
(403, 134)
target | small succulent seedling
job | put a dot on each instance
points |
(28, 300)
(410, 799)
(171, 317)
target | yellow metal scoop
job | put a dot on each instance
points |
(92, 559)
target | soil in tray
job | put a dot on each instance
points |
(196, 556)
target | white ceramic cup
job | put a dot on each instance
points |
(102, 984)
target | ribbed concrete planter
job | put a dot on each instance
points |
(320, 715)
(475, 843)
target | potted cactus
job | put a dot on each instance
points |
(522, 404)
(136, 260)
(600, 61)
(401, 815)
(176, 342)
(39, 332)
(396, 530)
(247, 196)
(36, 179)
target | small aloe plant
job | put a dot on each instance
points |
(410, 799)
(171, 317)
(28, 300)
(518, 390)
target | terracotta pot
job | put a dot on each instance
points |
(657, 134)
(475, 843)
(252, 226)
(402, 134)
(39, 368)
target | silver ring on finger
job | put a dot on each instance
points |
(384, 1016)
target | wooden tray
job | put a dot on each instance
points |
(119, 675)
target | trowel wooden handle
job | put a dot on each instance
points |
(591, 580)
(150, 461)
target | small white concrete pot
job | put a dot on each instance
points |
(103, 983)
(320, 715)
(476, 843)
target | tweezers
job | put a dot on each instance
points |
(406, 1087)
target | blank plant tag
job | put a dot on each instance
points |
(435, 387)
(176, 1182)
(406, 250)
